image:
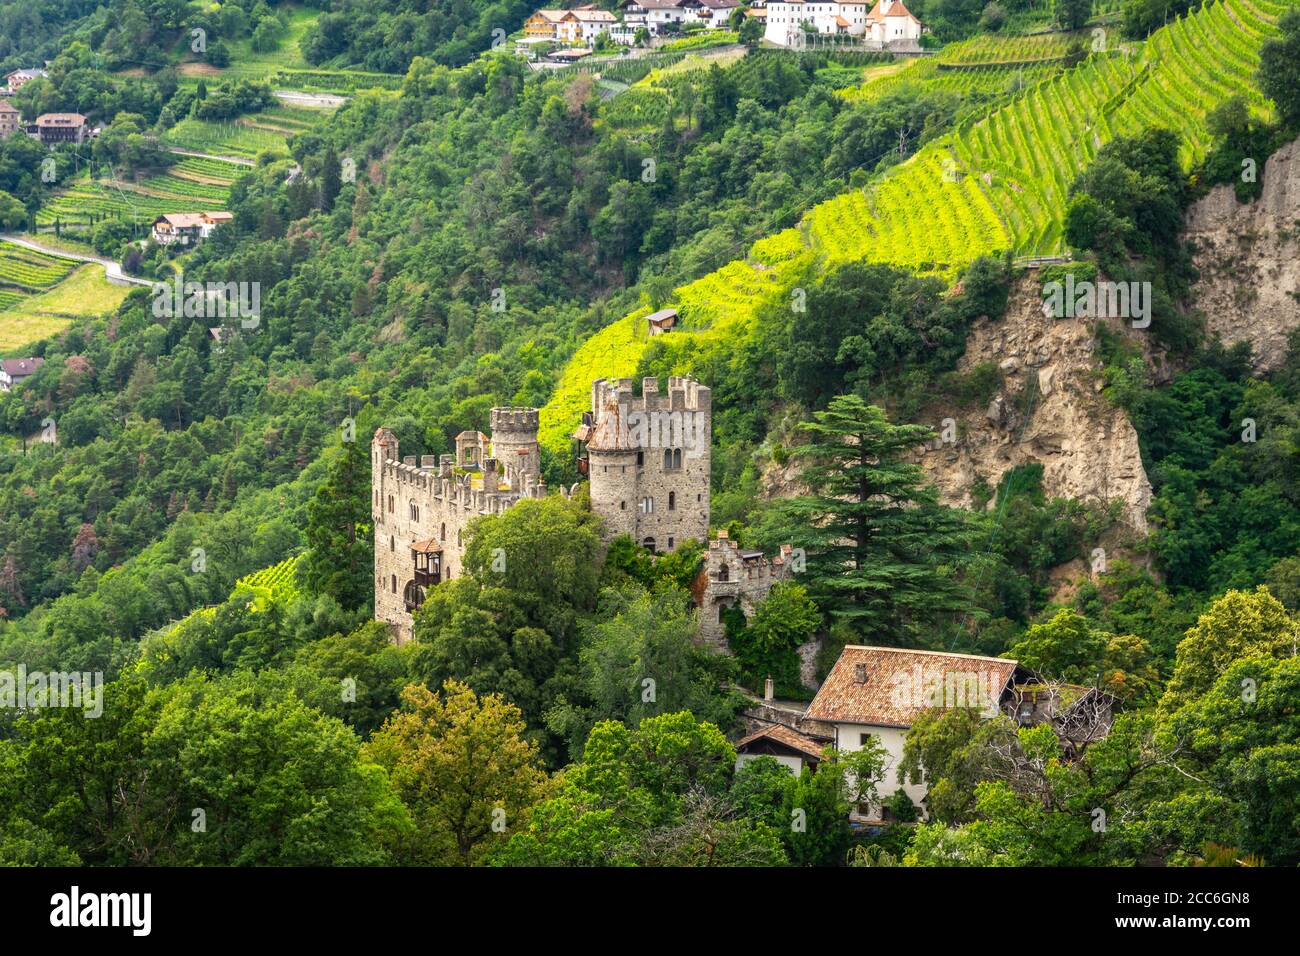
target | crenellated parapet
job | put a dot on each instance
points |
(735, 577)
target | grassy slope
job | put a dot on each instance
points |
(990, 186)
(84, 293)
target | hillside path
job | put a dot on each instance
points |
(112, 270)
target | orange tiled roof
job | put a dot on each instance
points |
(892, 693)
(785, 735)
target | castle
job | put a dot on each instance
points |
(732, 577)
(647, 459)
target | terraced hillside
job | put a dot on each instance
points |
(41, 294)
(997, 183)
(193, 184)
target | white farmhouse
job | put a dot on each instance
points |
(653, 14)
(879, 691)
(887, 22)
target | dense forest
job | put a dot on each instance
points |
(200, 531)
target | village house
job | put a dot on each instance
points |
(655, 13)
(543, 23)
(787, 746)
(578, 25)
(590, 22)
(16, 80)
(887, 23)
(878, 692)
(187, 228)
(10, 119)
(16, 371)
(54, 128)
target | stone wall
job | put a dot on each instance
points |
(412, 503)
(732, 577)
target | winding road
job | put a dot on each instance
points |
(112, 270)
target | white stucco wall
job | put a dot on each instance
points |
(793, 764)
(849, 737)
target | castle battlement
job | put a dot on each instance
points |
(684, 394)
(422, 510)
(515, 420)
(649, 480)
(734, 577)
(469, 490)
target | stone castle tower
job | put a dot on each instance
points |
(647, 460)
(420, 512)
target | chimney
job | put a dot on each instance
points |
(767, 690)
(860, 673)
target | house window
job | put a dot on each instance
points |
(622, 506)
(672, 503)
(864, 739)
(670, 544)
(640, 459)
(392, 544)
(390, 504)
(394, 584)
(415, 511)
(649, 543)
(647, 506)
(442, 533)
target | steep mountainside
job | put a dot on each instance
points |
(1049, 410)
(1249, 259)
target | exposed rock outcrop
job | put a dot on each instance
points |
(1049, 410)
(1249, 258)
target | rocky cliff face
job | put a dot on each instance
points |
(1049, 410)
(1249, 258)
(1087, 447)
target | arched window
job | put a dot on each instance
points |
(415, 511)
(672, 502)
(668, 458)
(442, 535)
(649, 543)
(394, 583)
(390, 504)
(677, 458)
(724, 573)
